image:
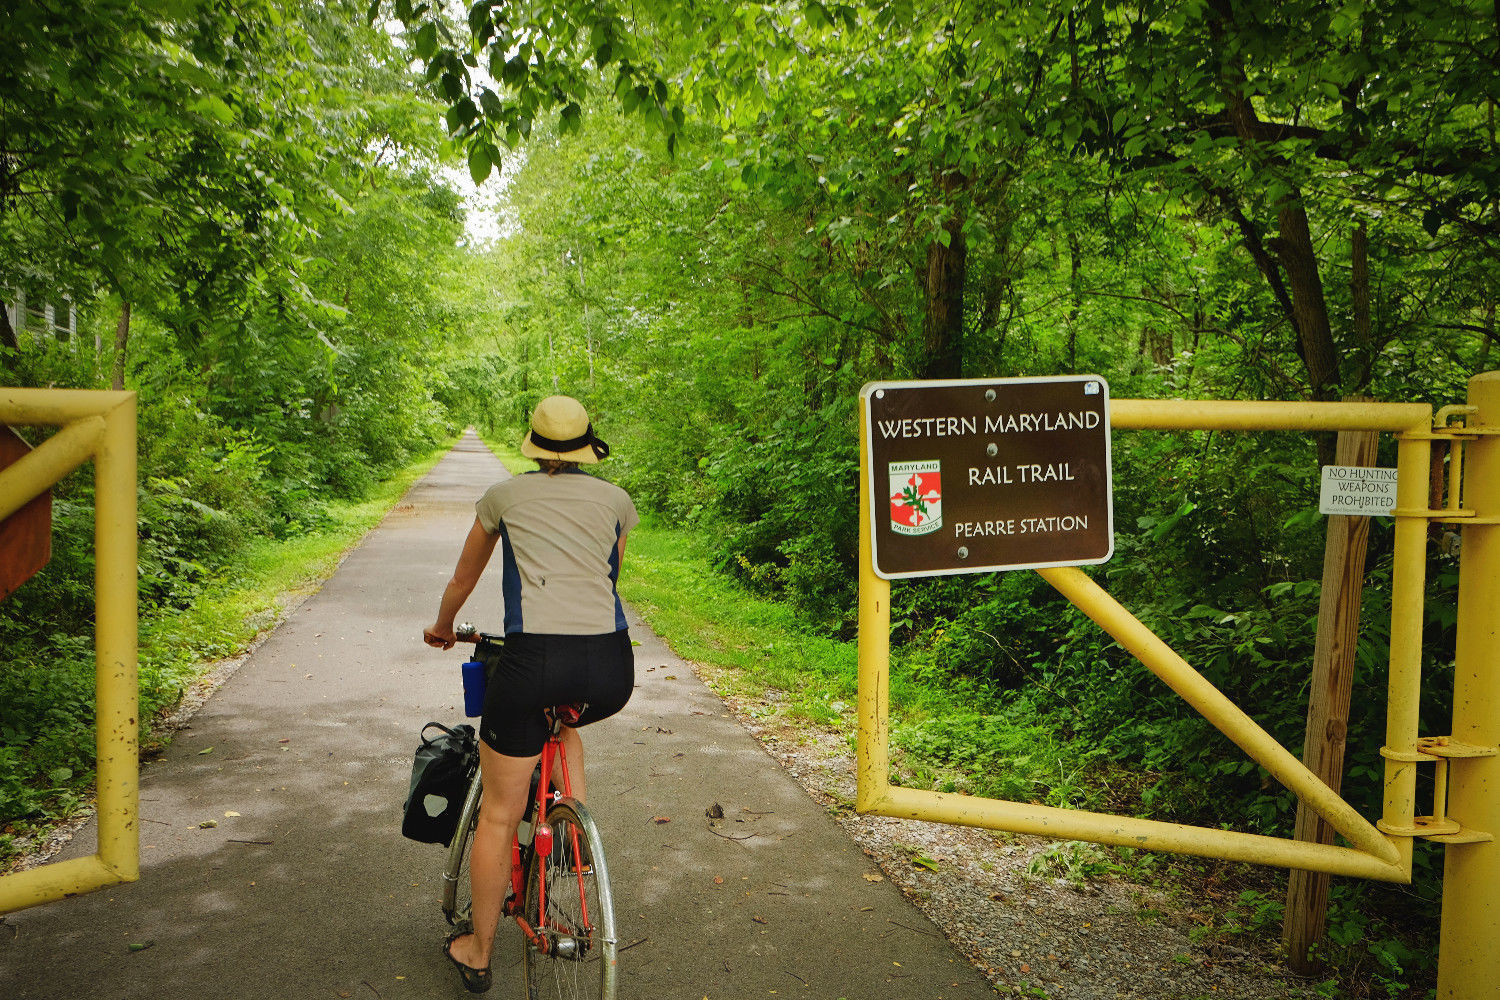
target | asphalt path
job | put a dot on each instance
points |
(272, 864)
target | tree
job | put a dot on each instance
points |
(1294, 122)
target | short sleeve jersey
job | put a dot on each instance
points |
(559, 539)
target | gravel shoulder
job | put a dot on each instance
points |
(999, 900)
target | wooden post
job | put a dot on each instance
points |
(1328, 701)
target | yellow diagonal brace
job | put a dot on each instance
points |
(1214, 706)
(36, 471)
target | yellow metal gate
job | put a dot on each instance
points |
(98, 426)
(1467, 799)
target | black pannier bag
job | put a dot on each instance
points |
(440, 774)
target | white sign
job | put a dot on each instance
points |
(1357, 489)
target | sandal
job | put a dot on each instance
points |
(475, 980)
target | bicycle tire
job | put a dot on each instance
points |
(457, 899)
(581, 960)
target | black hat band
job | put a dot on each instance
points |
(587, 439)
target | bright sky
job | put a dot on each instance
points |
(486, 205)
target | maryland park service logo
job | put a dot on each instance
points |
(916, 497)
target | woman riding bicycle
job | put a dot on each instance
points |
(563, 541)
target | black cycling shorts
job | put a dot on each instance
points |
(535, 672)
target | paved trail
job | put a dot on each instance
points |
(305, 888)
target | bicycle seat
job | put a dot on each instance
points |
(569, 715)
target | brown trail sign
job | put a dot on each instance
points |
(989, 475)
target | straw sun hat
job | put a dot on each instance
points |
(561, 431)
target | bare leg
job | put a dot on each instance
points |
(573, 751)
(506, 782)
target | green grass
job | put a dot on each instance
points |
(710, 619)
(511, 458)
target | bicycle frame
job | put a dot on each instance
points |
(553, 756)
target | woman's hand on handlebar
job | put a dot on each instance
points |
(439, 637)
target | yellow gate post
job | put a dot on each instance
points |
(1469, 956)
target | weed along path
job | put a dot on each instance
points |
(272, 864)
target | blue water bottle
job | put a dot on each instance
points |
(474, 680)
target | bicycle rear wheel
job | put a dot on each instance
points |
(457, 901)
(577, 953)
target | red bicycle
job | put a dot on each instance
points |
(559, 892)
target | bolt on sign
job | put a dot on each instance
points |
(25, 536)
(972, 477)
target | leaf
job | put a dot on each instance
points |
(479, 15)
(213, 107)
(426, 43)
(205, 750)
(872, 877)
(661, 819)
(479, 162)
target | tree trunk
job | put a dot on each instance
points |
(947, 267)
(7, 334)
(122, 340)
(1300, 263)
(1315, 345)
(588, 337)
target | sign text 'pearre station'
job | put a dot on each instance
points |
(969, 477)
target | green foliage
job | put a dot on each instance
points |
(719, 310)
(249, 225)
(1224, 200)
